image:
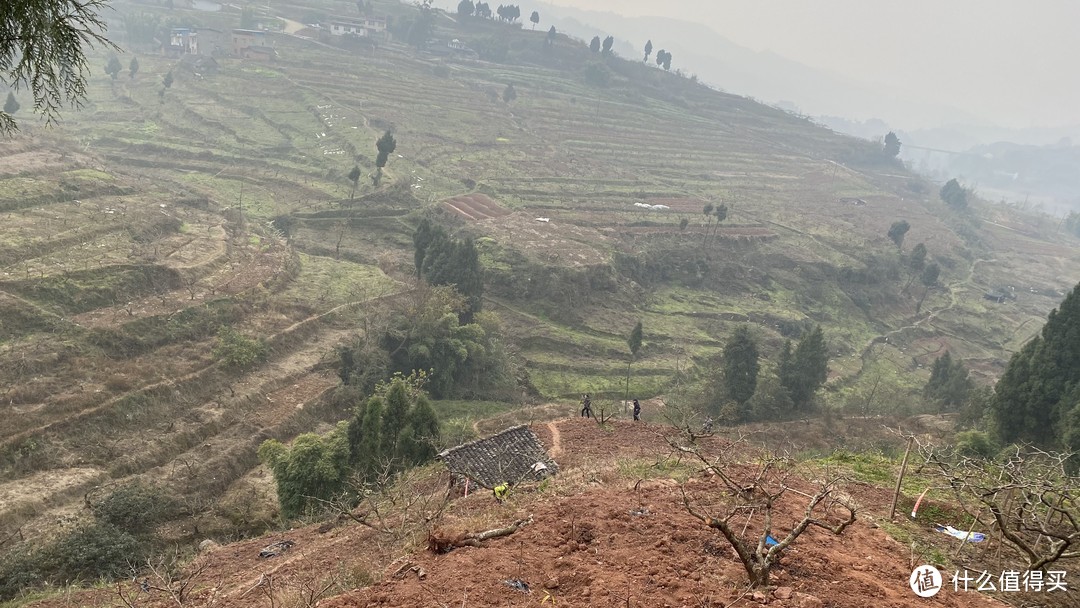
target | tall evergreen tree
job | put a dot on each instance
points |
(741, 366)
(422, 433)
(11, 106)
(370, 449)
(916, 262)
(805, 370)
(594, 45)
(928, 278)
(607, 44)
(634, 344)
(1038, 397)
(949, 384)
(422, 237)
(394, 418)
(648, 49)
(892, 145)
(897, 232)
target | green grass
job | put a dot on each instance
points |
(325, 282)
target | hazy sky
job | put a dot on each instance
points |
(1015, 62)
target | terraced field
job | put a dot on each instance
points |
(154, 216)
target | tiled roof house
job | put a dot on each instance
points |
(513, 456)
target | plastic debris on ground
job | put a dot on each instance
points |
(277, 548)
(516, 583)
(972, 537)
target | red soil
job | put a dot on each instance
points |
(475, 206)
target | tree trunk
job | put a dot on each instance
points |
(626, 396)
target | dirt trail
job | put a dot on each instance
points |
(556, 440)
(924, 320)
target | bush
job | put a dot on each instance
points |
(135, 508)
(94, 551)
(237, 350)
(975, 444)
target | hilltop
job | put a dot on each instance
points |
(158, 215)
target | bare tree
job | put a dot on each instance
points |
(761, 492)
(1031, 495)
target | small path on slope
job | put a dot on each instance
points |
(556, 440)
(924, 320)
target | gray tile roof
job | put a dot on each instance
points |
(509, 456)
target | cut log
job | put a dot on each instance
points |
(439, 542)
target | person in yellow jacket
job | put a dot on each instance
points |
(501, 491)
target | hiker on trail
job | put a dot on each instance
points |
(586, 407)
(501, 491)
(637, 410)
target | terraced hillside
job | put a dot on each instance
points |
(156, 215)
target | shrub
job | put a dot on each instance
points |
(976, 444)
(98, 550)
(135, 508)
(237, 350)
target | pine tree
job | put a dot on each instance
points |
(741, 366)
(395, 417)
(422, 237)
(892, 145)
(11, 106)
(424, 431)
(371, 454)
(806, 369)
(1037, 397)
(949, 383)
(133, 67)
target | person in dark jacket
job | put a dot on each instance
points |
(637, 410)
(586, 407)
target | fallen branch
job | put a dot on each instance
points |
(443, 544)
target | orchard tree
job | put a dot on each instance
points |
(594, 45)
(509, 94)
(892, 145)
(897, 232)
(648, 50)
(535, 18)
(466, 8)
(43, 47)
(551, 36)
(608, 43)
(133, 67)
